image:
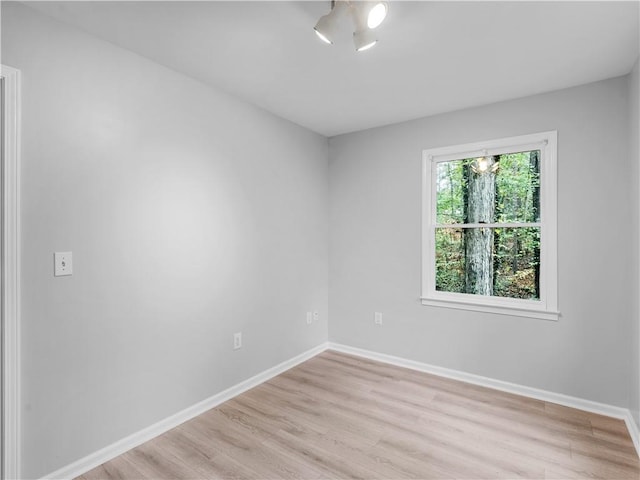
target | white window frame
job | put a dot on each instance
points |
(547, 306)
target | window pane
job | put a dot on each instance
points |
(494, 189)
(518, 187)
(450, 192)
(517, 263)
(501, 262)
(450, 260)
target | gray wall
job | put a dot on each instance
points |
(374, 251)
(634, 155)
(190, 216)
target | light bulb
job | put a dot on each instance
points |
(377, 15)
(484, 164)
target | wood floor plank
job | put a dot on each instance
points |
(529, 424)
(154, 462)
(340, 416)
(119, 468)
(540, 449)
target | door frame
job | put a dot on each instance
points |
(10, 272)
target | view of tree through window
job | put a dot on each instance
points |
(487, 233)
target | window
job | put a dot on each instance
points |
(490, 228)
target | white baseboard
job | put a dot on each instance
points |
(559, 398)
(118, 448)
(632, 426)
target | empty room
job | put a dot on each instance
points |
(320, 239)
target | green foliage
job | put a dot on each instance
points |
(516, 182)
(515, 260)
(516, 250)
(450, 260)
(450, 190)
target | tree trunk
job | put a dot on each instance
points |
(534, 165)
(496, 237)
(479, 208)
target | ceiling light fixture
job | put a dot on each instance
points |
(324, 29)
(364, 41)
(363, 37)
(366, 15)
(484, 164)
(326, 26)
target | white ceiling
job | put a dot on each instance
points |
(432, 57)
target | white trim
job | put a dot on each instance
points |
(11, 275)
(547, 307)
(118, 448)
(497, 309)
(499, 146)
(488, 225)
(544, 395)
(633, 430)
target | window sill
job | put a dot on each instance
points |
(501, 310)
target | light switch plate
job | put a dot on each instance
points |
(63, 264)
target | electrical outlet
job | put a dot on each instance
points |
(309, 318)
(316, 316)
(377, 318)
(62, 264)
(237, 340)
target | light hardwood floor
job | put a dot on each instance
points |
(338, 416)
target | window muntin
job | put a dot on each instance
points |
(501, 219)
